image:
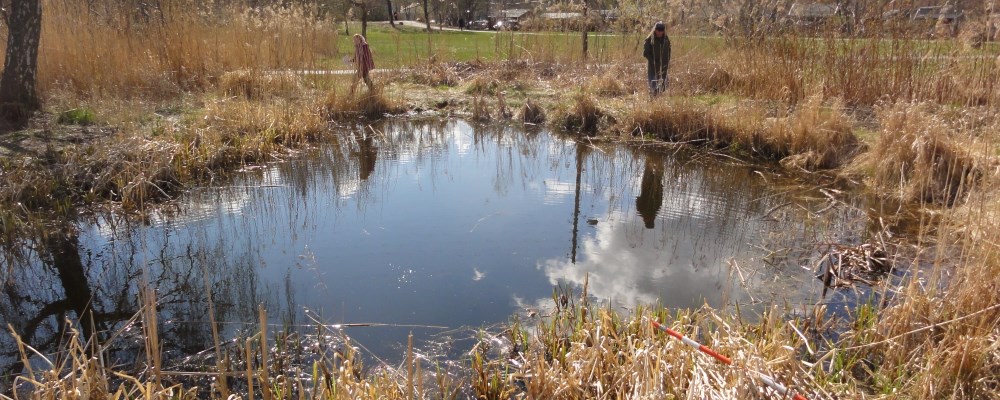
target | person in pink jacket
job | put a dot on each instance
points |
(363, 62)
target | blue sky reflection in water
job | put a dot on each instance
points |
(443, 223)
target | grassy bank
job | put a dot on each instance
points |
(136, 112)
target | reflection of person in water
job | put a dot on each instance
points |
(366, 158)
(650, 193)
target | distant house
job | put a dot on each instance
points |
(561, 15)
(514, 14)
(608, 15)
(943, 14)
(811, 12)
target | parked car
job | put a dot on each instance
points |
(896, 14)
(481, 25)
(926, 13)
(508, 25)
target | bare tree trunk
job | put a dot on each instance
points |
(427, 20)
(586, 29)
(364, 20)
(392, 18)
(18, 98)
(427, 17)
(361, 5)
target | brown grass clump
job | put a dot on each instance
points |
(918, 157)
(671, 121)
(483, 85)
(481, 110)
(436, 74)
(582, 116)
(704, 78)
(814, 136)
(612, 84)
(257, 85)
(532, 113)
(278, 121)
(938, 337)
(370, 104)
(973, 35)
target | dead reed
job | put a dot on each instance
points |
(155, 50)
(532, 113)
(256, 85)
(334, 369)
(920, 158)
(370, 104)
(814, 135)
(581, 114)
(586, 351)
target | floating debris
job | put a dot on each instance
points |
(844, 265)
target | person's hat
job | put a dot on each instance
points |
(659, 26)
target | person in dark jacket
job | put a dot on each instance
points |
(656, 49)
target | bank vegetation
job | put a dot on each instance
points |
(138, 109)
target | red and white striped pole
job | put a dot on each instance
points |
(770, 382)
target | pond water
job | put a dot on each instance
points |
(433, 226)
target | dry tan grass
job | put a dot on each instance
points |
(615, 82)
(532, 113)
(440, 74)
(257, 85)
(815, 135)
(582, 351)
(918, 157)
(103, 47)
(581, 114)
(371, 104)
(340, 374)
(857, 71)
(481, 110)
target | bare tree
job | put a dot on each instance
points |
(360, 4)
(18, 98)
(586, 27)
(427, 17)
(392, 16)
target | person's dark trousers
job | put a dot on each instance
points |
(658, 83)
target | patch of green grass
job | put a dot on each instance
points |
(406, 46)
(711, 99)
(77, 116)
(866, 135)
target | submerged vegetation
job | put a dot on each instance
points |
(149, 108)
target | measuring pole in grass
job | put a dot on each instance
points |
(770, 382)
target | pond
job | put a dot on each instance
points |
(430, 227)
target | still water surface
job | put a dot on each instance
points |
(436, 224)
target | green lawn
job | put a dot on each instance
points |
(403, 46)
(408, 46)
